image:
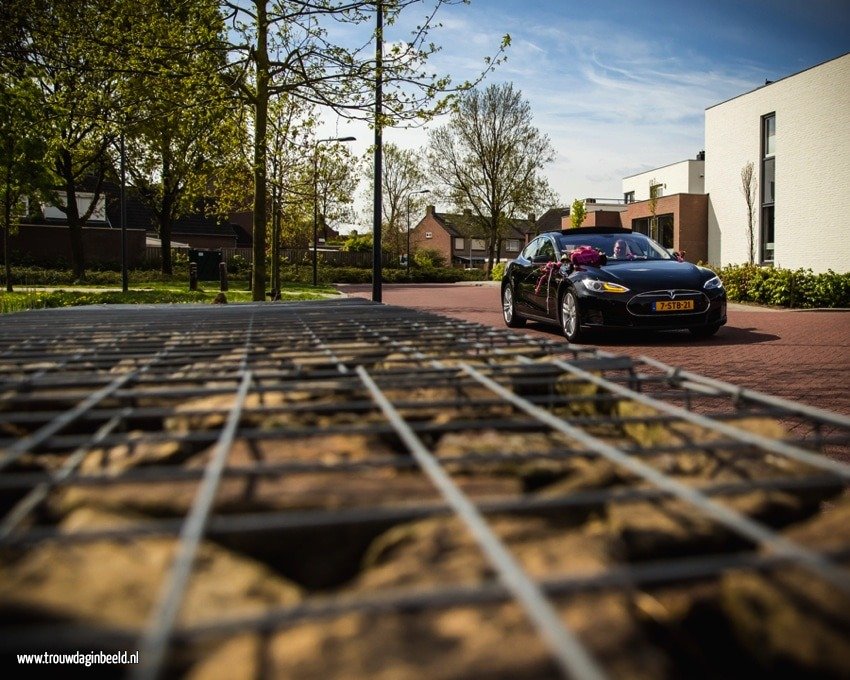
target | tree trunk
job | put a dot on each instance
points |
(166, 215)
(65, 170)
(261, 105)
(7, 225)
(165, 243)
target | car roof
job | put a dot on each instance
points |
(595, 230)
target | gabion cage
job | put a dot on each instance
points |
(345, 489)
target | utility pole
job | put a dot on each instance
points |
(376, 215)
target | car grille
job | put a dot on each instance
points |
(642, 304)
(321, 490)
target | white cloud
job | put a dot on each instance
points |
(612, 102)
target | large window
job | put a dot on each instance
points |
(658, 228)
(768, 186)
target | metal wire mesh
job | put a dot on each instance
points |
(348, 489)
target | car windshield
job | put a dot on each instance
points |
(617, 246)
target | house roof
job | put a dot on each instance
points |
(140, 216)
(468, 225)
(551, 220)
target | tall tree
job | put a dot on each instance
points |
(403, 176)
(178, 136)
(336, 182)
(578, 213)
(654, 190)
(490, 157)
(23, 148)
(285, 47)
(77, 83)
(749, 187)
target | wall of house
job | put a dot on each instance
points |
(684, 177)
(691, 234)
(600, 218)
(440, 239)
(690, 221)
(84, 200)
(812, 171)
(101, 245)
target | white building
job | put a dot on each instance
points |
(684, 177)
(796, 132)
(84, 201)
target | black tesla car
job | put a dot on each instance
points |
(600, 278)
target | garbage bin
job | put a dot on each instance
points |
(208, 263)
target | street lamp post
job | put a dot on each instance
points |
(407, 259)
(316, 201)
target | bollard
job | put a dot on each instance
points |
(193, 276)
(222, 274)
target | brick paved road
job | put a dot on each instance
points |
(798, 355)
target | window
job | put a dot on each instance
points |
(767, 233)
(512, 245)
(479, 244)
(656, 190)
(531, 249)
(770, 135)
(664, 230)
(547, 249)
(629, 197)
(768, 180)
(458, 244)
(641, 225)
(658, 228)
(428, 234)
(768, 186)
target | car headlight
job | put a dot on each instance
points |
(603, 286)
(712, 283)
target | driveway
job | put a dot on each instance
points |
(799, 355)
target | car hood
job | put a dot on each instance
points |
(652, 274)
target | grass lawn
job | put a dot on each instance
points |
(39, 297)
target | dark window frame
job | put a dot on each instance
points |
(767, 195)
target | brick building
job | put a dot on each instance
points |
(461, 239)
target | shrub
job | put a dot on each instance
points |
(429, 258)
(799, 288)
(498, 271)
(358, 244)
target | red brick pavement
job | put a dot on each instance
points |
(799, 355)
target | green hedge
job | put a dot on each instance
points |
(329, 275)
(14, 302)
(800, 288)
(42, 276)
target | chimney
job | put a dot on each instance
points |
(532, 218)
(701, 155)
(429, 211)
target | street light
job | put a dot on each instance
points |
(316, 201)
(423, 191)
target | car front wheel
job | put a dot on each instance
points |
(570, 317)
(512, 319)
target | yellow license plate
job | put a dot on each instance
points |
(673, 305)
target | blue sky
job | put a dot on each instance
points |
(620, 86)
